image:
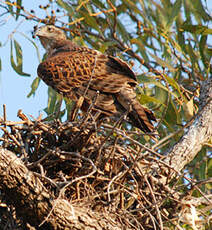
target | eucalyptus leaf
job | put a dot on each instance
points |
(18, 64)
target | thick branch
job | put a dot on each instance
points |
(197, 134)
(34, 204)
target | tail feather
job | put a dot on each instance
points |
(141, 117)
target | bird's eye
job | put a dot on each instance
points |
(50, 29)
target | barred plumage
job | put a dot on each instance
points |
(71, 69)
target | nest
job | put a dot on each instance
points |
(104, 167)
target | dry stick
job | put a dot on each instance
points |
(111, 132)
(120, 132)
(83, 121)
(68, 183)
(4, 120)
(34, 164)
(155, 202)
(110, 183)
(115, 18)
(4, 113)
(151, 191)
(10, 136)
(47, 179)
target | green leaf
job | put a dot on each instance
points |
(172, 116)
(172, 82)
(209, 52)
(69, 105)
(163, 63)
(90, 21)
(187, 9)
(18, 65)
(34, 44)
(105, 45)
(175, 10)
(99, 4)
(66, 6)
(162, 95)
(131, 5)
(52, 98)
(54, 104)
(144, 99)
(196, 29)
(34, 86)
(202, 45)
(18, 9)
(199, 11)
(193, 57)
(151, 81)
(141, 47)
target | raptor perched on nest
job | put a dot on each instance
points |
(76, 71)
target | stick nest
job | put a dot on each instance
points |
(105, 168)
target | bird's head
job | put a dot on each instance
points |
(49, 35)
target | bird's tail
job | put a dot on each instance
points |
(139, 116)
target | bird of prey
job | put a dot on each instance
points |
(76, 71)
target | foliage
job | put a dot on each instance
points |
(166, 42)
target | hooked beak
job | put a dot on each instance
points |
(38, 33)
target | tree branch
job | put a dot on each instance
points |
(35, 205)
(197, 134)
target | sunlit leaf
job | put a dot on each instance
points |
(175, 10)
(209, 51)
(187, 9)
(18, 65)
(105, 45)
(122, 30)
(131, 4)
(196, 29)
(52, 99)
(34, 86)
(161, 95)
(65, 6)
(69, 105)
(172, 82)
(144, 99)
(192, 55)
(188, 108)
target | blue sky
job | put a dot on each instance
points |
(14, 88)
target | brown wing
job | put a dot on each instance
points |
(69, 73)
(76, 70)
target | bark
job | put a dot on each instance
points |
(197, 134)
(35, 205)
